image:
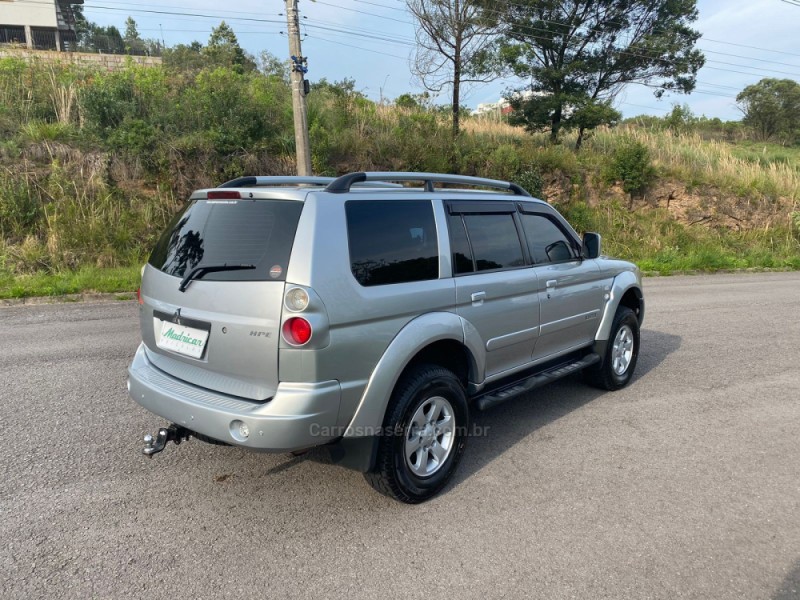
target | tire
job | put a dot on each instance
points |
(622, 352)
(428, 411)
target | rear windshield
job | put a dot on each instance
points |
(232, 232)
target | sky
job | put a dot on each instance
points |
(371, 41)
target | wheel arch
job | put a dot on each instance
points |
(626, 290)
(435, 338)
(634, 299)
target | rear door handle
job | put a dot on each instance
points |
(551, 283)
(478, 298)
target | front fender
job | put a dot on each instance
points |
(621, 284)
(416, 335)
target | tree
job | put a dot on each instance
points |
(272, 66)
(223, 49)
(590, 113)
(577, 111)
(591, 49)
(104, 39)
(91, 37)
(631, 165)
(131, 32)
(771, 109)
(185, 57)
(451, 34)
(413, 101)
(133, 43)
(681, 119)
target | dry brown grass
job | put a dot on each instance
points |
(703, 161)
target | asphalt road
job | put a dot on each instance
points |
(686, 484)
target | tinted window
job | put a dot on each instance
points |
(234, 232)
(494, 240)
(462, 255)
(546, 242)
(392, 242)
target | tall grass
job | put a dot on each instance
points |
(61, 220)
(698, 161)
(93, 165)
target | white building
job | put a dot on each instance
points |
(503, 106)
(38, 24)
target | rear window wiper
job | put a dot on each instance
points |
(200, 272)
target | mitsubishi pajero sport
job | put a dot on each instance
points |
(283, 313)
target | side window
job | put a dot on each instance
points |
(392, 241)
(462, 254)
(546, 242)
(494, 241)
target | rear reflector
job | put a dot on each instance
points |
(297, 331)
(224, 195)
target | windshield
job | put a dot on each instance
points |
(232, 232)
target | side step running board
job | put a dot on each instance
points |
(497, 396)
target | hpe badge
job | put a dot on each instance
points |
(275, 271)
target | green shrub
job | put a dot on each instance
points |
(108, 99)
(580, 216)
(631, 165)
(532, 181)
(134, 135)
(503, 162)
(19, 207)
(551, 159)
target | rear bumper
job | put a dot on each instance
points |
(294, 419)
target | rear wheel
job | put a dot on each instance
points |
(424, 435)
(621, 354)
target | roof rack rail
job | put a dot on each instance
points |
(343, 184)
(275, 180)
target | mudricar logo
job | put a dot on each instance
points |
(182, 337)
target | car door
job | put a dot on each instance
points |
(496, 290)
(570, 288)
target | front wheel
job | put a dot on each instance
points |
(621, 354)
(424, 435)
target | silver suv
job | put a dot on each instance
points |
(284, 313)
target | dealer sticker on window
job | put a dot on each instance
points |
(182, 339)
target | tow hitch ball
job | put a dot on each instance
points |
(173, 433)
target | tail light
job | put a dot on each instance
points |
(139, 295)
(297, 331)
(223, 195)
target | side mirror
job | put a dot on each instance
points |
(591, 245)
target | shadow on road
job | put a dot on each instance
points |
(790, 588)
(518, 418)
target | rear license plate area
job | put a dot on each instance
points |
(187, 337)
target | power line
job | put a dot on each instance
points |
(381, 36)
(529, 28)
(647, 107)
(402, 10)
(224, 14)
(362, 34)
(384, 36)
(362, 12)
(750, 47)
(181, 14)
(316, 37)
(774, 62)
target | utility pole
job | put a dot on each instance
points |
(298, 90)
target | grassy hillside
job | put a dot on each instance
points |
(93, 164)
